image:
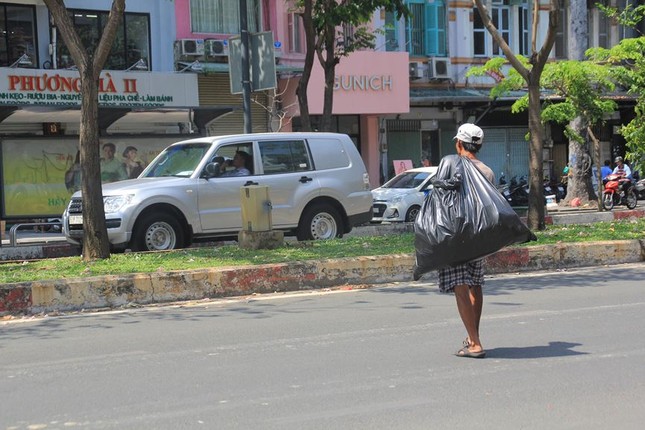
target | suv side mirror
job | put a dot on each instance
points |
(212, 170)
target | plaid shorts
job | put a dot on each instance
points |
(471, 273)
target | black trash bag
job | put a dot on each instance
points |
(463, 218)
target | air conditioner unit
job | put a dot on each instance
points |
(216, 48)
(439, 68)
(192, 46)
(417, 70)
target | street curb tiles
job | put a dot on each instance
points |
(161, 287)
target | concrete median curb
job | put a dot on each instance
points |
(161, 287)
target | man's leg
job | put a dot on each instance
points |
(477, 301)
(469, 316)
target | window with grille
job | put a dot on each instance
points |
(347, 35)
(391, 26)
(480, 36)
(426, 28)
(523, 28)
(501, 15)
(502, 21)
(562, 34)
(296, 33)
(599, 27)
(223, 16)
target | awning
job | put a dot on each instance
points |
(224, 67)
(425, 96)
(108, 116)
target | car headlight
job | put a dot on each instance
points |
(115, 203)
(396, 199)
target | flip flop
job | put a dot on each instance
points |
(465, 352)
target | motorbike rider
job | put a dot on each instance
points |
(622, 169)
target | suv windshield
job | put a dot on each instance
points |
(407, 180)
(177, 160)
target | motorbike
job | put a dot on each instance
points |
(503, 188)
(618, 191)
(518, 192)
(639, 187)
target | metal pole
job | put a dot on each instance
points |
(246, 73)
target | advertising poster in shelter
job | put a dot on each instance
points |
(34, 171)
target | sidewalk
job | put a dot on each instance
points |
(140, 289)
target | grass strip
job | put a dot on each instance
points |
(232, 255)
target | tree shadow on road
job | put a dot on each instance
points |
(553, 349)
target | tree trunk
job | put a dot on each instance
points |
(328, 102)
(579, 179)
(597, 162)
(95, 241)
(535, 218)
(329, 66)
(310, 41)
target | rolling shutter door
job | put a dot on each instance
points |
(403, 137)
(215, 90)
(506, 151)
(493, 153)
(518, 148)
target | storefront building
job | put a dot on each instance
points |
(143, 102)
(446, 39)
(368, 85)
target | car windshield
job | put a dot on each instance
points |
(407, 180)
(177, 160)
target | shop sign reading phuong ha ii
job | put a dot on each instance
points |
(141, 90)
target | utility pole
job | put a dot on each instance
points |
(246, 66)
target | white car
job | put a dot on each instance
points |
(400, 198)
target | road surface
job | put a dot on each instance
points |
(564, 352)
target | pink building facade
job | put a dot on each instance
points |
(369, 84)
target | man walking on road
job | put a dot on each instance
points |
(466, 280)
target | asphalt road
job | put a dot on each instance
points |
(564, 352)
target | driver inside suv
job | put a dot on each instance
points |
(243, 164)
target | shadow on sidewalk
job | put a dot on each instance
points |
(553, 349)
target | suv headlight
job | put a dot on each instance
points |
(115, 203)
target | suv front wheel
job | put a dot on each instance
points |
(320, 222)
(157, 232)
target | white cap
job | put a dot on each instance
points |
(470, 133)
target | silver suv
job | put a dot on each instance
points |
(318, 187)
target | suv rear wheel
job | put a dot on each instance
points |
(320, 222)
(157, 232)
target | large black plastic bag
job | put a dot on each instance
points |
(463, 218)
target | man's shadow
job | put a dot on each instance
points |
(553, 349)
